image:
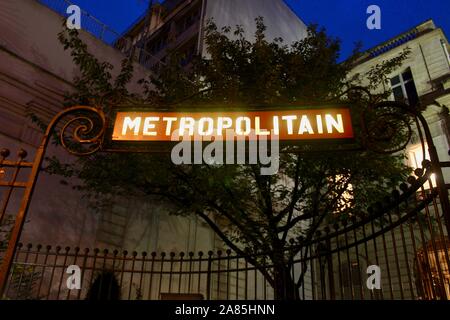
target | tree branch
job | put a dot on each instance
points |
(228, 242)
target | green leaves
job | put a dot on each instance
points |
(95, 85)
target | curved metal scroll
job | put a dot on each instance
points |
(387, 125)
(81, 135)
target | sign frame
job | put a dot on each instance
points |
(286, 146)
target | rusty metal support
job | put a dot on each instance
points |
(83, 129)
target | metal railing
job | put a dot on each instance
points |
(106, 34)
(405, 236)
(88, 22)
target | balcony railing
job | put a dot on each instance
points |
(88, 22)
(104, 33)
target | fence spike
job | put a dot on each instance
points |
(22, 154)
(411, 180)
(5, 153)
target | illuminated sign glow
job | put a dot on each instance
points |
(288, 125)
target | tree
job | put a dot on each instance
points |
(260, 217)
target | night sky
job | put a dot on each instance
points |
(345, 19)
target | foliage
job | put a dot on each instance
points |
(23, 278)
(251, 213)
(5, 232)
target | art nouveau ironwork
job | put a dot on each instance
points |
(82, 131)
(86, 126)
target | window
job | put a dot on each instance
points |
(404, 88)
(155, 46)
(415, 157)
(187, 21)
(187, 54)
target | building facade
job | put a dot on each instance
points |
(177, 25)
(423, 78)
(35, 73)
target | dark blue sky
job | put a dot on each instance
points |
(345, 19)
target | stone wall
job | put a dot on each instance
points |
(35, 72)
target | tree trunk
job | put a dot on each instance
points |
(285, 286)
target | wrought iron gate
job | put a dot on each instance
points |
(406, 235)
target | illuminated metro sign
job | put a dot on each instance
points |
(286, 125)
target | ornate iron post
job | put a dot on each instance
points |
(88, 125)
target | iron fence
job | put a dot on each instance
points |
(405, 236)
